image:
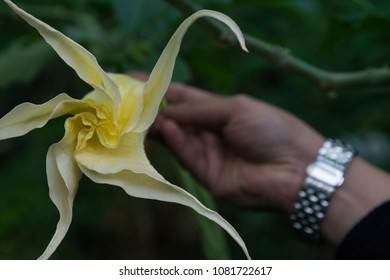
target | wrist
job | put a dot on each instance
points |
(365, 188)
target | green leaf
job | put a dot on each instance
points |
(214, 241)
(137, 15)
(21, 62)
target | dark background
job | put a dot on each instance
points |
(335, 35)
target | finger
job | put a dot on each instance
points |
(183, 143)
(177, 92)
(211, 113)
(180, 93)
(200, 152)
(139, 75)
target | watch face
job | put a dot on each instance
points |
(325, 173)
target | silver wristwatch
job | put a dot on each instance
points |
(324, 176)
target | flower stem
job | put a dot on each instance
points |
(281, 58)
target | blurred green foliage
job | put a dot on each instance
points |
(129, 35)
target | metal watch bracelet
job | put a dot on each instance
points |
(323, 177)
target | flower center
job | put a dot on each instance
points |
(98, 124)
(93, 128)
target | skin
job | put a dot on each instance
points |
(255, 155)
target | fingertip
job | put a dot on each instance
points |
(174, 136)
(179, 93)
(168, 129)
(171, 130)
(139, 75)
(156, 126)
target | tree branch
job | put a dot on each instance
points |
(281, 58)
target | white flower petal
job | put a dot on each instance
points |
(63, 175)
(27, 116)
(76, 56)
(127, 166)
(129, 154)
(161, 75)
(145, 186)
(131, 91)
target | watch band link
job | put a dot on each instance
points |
(324, 176)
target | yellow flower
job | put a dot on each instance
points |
(104, 135)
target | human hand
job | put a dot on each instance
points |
(242, 149)
(256, 155)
